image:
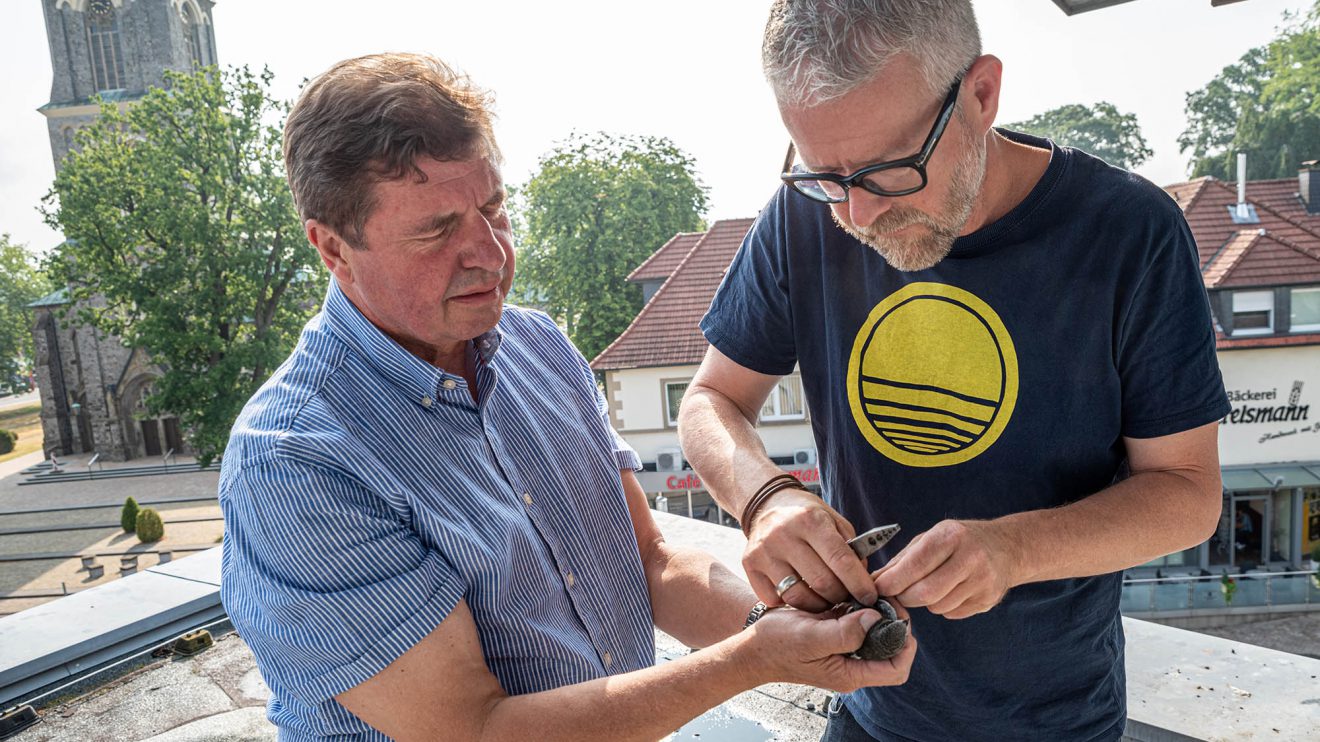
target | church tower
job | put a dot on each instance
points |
(93, 386)
(118, 49)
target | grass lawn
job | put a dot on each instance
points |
(26, 421)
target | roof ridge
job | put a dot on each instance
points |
(646, 308)
(1236, 259)
(1290, 244)
(654, 255)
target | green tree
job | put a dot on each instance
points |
(1100, 130)
(21, 282)
(595, 209)
(182, 239)
(1266, 105)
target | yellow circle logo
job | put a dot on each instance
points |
(933, 376)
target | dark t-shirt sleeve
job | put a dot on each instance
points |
(1166, 348)
(750, 319)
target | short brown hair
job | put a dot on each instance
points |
(369, 119)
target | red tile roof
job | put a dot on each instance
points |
(666, 332)
(1205, 203)
(662, 262)
(1282, 249)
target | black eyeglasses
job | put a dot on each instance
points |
(893, 178)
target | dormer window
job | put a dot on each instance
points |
(1304, 315)
(1253, 312)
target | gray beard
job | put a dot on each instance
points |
(933, 239)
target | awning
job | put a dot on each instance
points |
(1305, 474)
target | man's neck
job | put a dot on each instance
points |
(1012, 169)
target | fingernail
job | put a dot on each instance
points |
(869, 619)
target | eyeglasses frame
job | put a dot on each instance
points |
(858, 178)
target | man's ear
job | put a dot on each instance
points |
(983, 81)
(334, 251)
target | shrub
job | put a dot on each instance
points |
(149, 526)
(7, 438)
(128, 516)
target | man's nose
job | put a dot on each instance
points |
(864, 207)
(482, 249)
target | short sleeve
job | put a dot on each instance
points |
(750, 320)
(324, 581)
(1166, 351)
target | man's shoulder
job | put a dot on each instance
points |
(1119, 193)
(291, 402)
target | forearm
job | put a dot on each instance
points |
(694, 597)
(1148, 515)
(643, 705)
(721, 443)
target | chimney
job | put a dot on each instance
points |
(1243, 213)
(1308, 185)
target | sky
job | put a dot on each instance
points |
(688, 70)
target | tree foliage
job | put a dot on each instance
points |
(597, 207)
(1266, 105)
(182, 239)
(21, 282)
(1101, 130)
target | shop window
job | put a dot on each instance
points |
(785, 401)
(673, 398)
(1305, 313)
(1253, 312)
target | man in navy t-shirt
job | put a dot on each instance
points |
(1006, 349)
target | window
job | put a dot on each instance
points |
(1253, 312)
(785, 401)
(192, 35)
(673, 398)
(107, 57)
(1305, 314)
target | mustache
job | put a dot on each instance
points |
(476, 280)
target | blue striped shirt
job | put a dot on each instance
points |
(365, 493)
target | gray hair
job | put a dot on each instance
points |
(817, 50)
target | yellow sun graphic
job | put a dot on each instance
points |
(933, 377)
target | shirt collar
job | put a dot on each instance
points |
(419, 380)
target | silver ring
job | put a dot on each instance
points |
(786, 584)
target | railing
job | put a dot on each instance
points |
(1250, 590)
(165, 460)
(94, 460)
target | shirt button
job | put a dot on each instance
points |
(450, 384)
(570, 579)
(607, 659)
(527, 498)
(426, 401)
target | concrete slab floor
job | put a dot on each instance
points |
(168, 696)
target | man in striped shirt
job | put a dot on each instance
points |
(432, 530)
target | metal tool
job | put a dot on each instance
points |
(888, 636)
(873, 540)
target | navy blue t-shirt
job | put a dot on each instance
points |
(1001, 380)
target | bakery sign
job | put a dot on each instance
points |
(1274, 399)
